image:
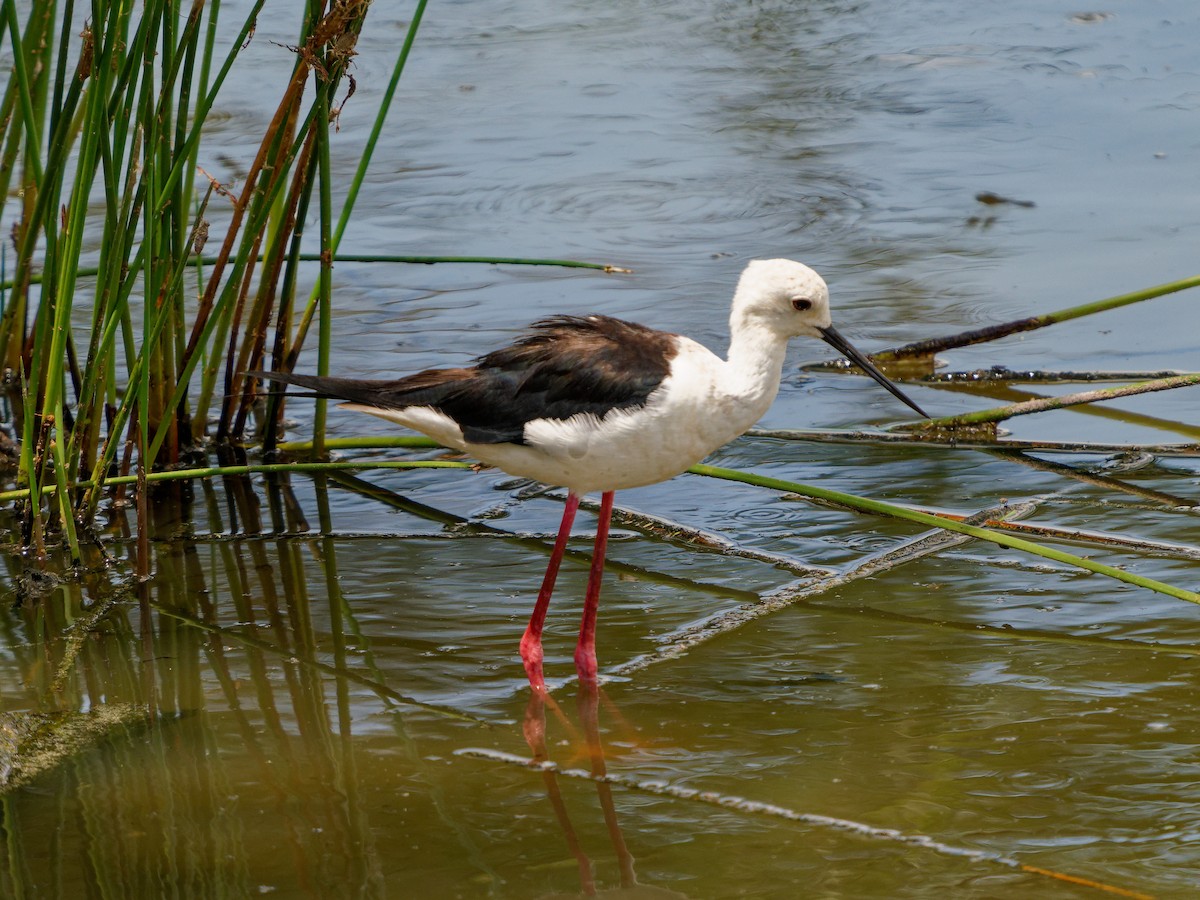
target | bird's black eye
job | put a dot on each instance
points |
(801, 304)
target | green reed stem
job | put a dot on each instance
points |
(138, 388)
(30, 120)
(285, 312)
(325, 281)
(200, 117)
(361, 171)
(1000, 413)
(224, 304)
(60, 74)
(85, 271)
(238, 470)
(10, 129)
(1031, 323)
(878, 507)
(385, 106)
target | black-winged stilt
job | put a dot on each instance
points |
(594, 403)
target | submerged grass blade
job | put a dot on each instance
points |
(961, 442)
(878, 507)
(1000, 413)
(746, 806)
(248, 469)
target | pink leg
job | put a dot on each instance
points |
(585, 650)
(531, 642)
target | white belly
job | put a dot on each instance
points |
(624, 449)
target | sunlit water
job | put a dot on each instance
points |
(321, 713)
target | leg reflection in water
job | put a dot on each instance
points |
(534, 727)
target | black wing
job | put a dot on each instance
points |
(566, 365)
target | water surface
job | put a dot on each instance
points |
(324, 681)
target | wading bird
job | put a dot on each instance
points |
(593, 403)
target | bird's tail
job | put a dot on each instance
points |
(428, 388)
(325, 388)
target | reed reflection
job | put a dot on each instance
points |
(233, 711)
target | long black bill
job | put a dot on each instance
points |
(833, 338)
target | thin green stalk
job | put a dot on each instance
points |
(200, 116)
(272, 295)
(60, 75)
(284, 315)
(331, 39)
(325, 282)
(216, 336)
(69, 248)
(191, 144)
(250, 217)
(41, 195)
(42, 217)
(53, 400)
(130, 53)
(878, 507)
(133, 397)
(247, 469)
(385, 106)
(396, 259)
(254, 202)
(1031, 323)
(1000, 413)
(1087, 309)
(255, 222)
(279, 223)
(210, 44)
(28, 469)
(363, 163)
(63, 496)
(850, 501)
(30, 120)
(487, 260)
(110, 304)
(971, 442)
(12, 129)
(153, 312)
(188, 50)
(118, 319)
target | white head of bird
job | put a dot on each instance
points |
(786, 297)
(777, 299)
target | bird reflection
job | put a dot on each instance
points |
(588, 710)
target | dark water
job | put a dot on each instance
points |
(320, 695)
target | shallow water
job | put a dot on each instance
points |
(324, 681)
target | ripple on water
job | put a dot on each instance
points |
(664, 134)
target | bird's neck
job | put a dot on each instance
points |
(755, 363)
